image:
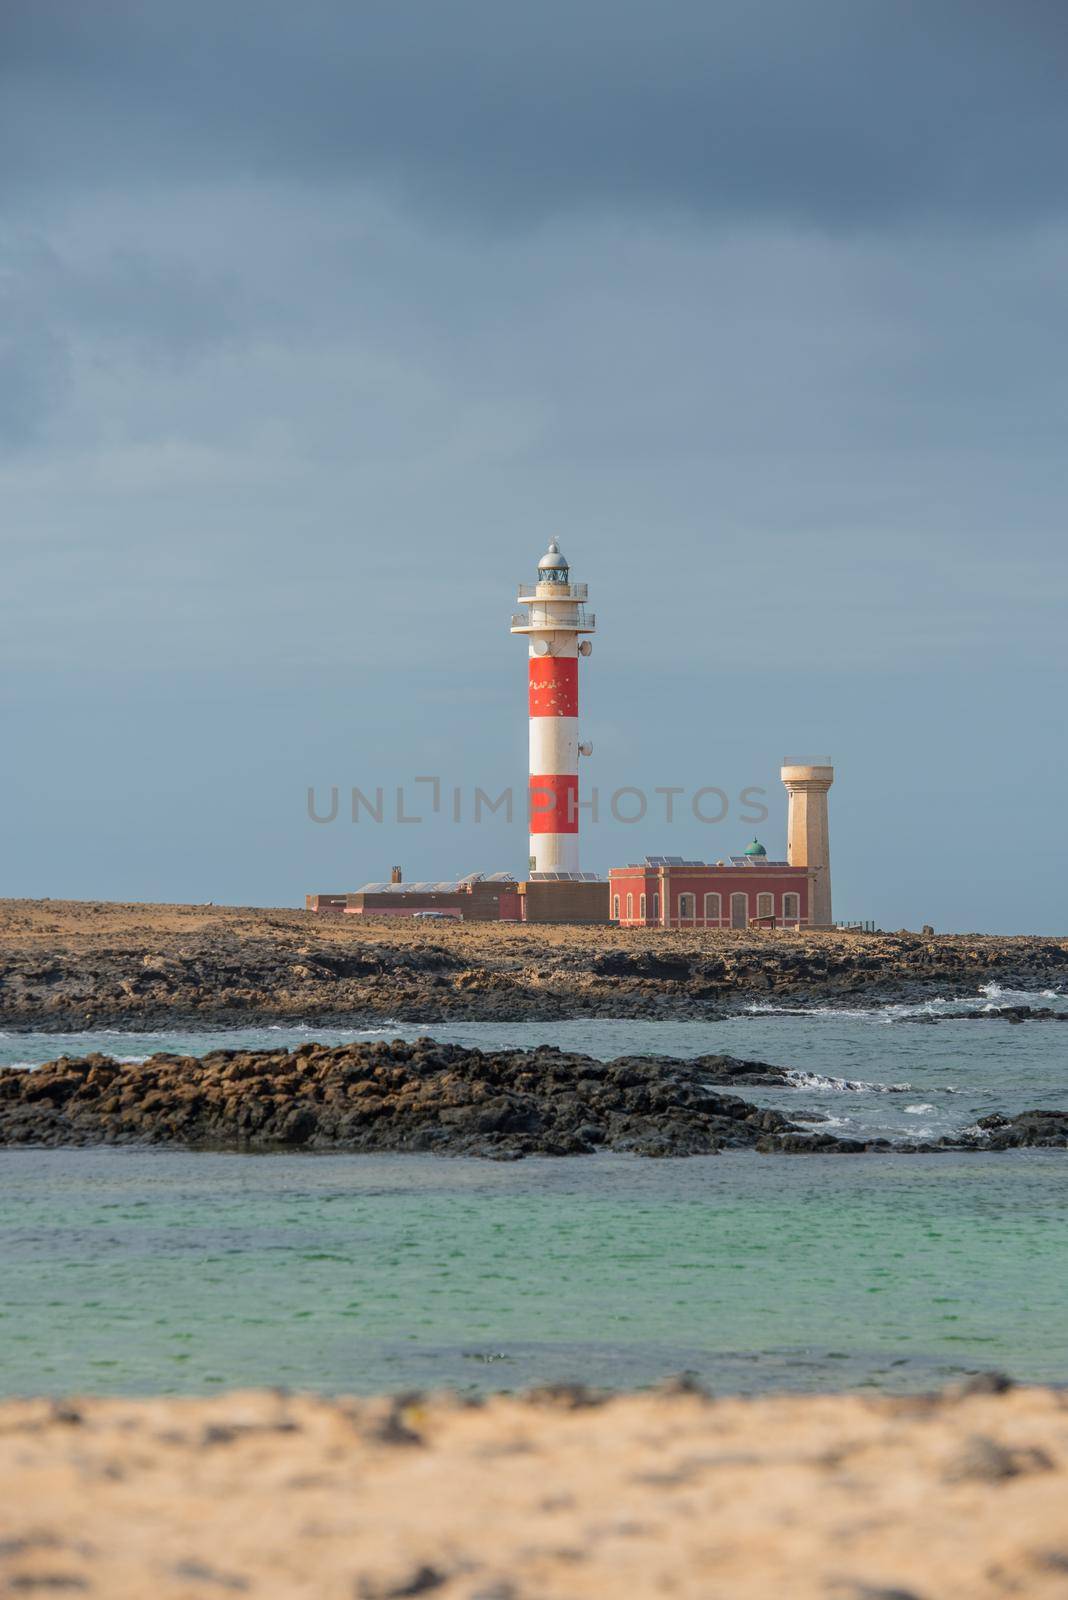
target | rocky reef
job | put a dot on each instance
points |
(994, 1013)
(434, 1098)
(422, 1096)
(1037, 1128)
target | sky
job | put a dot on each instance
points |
(318, 321)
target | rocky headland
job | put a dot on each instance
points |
(555, 1495)
(427, 1097)
(68, 965)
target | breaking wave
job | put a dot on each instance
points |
(817, 1080)
(988, 997)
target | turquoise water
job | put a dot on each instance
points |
(150, 1271)
(139, 1271)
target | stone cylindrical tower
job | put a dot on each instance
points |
(807, 837)
(555, 619)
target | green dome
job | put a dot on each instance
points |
(755, 849)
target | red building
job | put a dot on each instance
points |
(668, 892)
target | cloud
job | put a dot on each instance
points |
(835, 114)
(317, 319)
(862, 438)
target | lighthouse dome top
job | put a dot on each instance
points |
(756, 849)
(552, 568)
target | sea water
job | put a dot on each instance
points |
(125, 1270)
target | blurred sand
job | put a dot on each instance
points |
(668, 1494)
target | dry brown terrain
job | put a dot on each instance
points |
(72, 964)
(817, 1498)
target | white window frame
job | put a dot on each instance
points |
(717, 914)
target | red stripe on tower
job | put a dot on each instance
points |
(554, 803)
(553, 686)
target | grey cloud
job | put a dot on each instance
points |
(34, 369)
(117, 303)
(842, 427)
(835, 113)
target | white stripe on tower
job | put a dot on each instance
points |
(553, 744)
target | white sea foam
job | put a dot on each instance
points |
(764, 1008)
(938, 1006)
(317, 1027)
(918, 1111)
(1018, 997)
(817, 1080)
(122, 1033)
(31, 1066)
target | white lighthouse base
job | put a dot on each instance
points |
(554, 852)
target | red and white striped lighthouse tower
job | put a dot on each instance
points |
(556, 617)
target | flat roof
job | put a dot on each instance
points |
(748, 863)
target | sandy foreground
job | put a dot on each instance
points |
(540, 1498)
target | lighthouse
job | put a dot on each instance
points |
(555, 618)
